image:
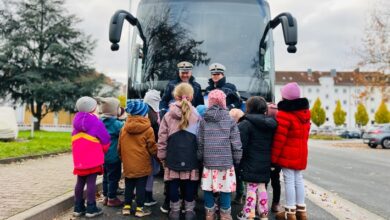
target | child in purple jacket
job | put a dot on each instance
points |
(90, 140)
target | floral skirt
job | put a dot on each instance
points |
(219, 180)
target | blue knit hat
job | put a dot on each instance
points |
(201, 109)
(136, 107)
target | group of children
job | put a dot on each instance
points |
(210, 147)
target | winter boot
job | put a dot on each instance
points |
(210, 213)
(174, 213)
(301, 213)
(226, 214)
(287, 214)
(79, 208)
(190, 213)
(93, 210)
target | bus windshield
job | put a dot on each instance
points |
(202, 32)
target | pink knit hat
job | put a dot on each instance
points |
(291, 91)
(217, 97)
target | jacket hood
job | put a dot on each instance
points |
(175, 109)
(136, 124)
(298, 107)
(220, 82)
(216, 113)
(84, 121)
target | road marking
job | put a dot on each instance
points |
(337, 206)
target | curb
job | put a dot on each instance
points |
(18, 159)
(52, 208)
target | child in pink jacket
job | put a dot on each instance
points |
(90, 140)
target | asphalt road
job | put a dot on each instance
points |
(360, 175)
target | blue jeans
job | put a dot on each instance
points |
(111, 177)
(225, 200)
(294, 187)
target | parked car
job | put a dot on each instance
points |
(349, 134)
(379, 134)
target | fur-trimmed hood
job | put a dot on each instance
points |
(299, 107)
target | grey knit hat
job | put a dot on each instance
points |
(152, 98)
(109, 106)
(86, 104)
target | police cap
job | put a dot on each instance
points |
(217, 68)
(184, 66)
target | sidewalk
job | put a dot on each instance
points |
(315, 212)
(26, 184)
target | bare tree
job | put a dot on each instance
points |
(374, 53)
(375, 50)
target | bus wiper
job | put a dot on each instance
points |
(290, 32)
(116, 24)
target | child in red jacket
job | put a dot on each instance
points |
(290, 149)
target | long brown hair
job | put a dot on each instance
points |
(184, 92)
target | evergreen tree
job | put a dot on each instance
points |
(361, 115)
(339, 114)
(382, 115)
(318, 114)
(43, 57)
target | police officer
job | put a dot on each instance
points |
(218, 81)
(185, 75)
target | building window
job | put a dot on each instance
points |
(327, 96)
(344, 90)
(372, 111)
(336, 90)
(372, 99)
(309, 90)
(345, 102)
(327, 107)
(317, 90)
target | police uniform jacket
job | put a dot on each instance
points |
(232, 98)
(167, 96)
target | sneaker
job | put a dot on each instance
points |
(79, 209)
(152, 202)
(126, 210)
(141, 212)
(114, 202)
(165, 207)
(149, 201)
(93, 212)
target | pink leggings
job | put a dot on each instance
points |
(256, 195)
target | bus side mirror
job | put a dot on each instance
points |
(290, 32)
(116, 24)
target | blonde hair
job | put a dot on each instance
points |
(184, 92)
(236, 114)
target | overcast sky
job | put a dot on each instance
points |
(328, 31)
